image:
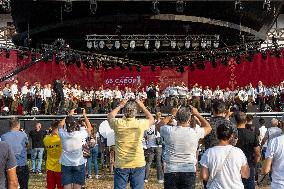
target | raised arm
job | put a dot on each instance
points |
(148, 115)
(115, 111)
(87, 121)
(203, 122)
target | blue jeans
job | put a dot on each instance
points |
(180, 180)
(249, 183)
(73, 175)
(133, 175)
(150, 155)
(37, 153)
(93, 159)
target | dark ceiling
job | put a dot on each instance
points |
(46, 21)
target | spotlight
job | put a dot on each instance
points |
(216, 44)
(153, 68)
(68, 6)
(101, 44)
(173, 44)
(96, 45)
(239, 6)
(187, 44)
(266, 6)
(157, 44)
(155, 7)
(93, 6)
(117, 44)
(146, 44)
(180, 5)
(89, 44)
(203, 44)
(132, 44)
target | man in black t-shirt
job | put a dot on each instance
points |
(8, 164)
(151, 97)
(248, 142)
(37, 135)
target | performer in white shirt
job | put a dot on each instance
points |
(25, 92)
(47, 97)
(99, 95)
(14, 89)
(218, 94)
(182, 91)
(129, 95)
(207, 95)
(142, 95)
(260, 92)
(173, 92)
(117, 96)
(251, 93)
(196, 95)
(108, 97)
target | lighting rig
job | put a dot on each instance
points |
(152, 42)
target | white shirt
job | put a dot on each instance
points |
(110, 138)
(46, 93)
(117, 94)
(72, 153)
(275, 151)
(142, 95)
(25, 90)
(196, 91)
(182, 91)
(14, 90)
(129, 95)
(173, 91)
(262, 131)
(207, 94)
(108, 94)
(218, 94)
(229, 176)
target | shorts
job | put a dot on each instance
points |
(53, 180)
(73, 175)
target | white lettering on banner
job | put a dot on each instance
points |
(124, 80)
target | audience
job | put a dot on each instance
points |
(72, 161)
(180, 147)
(154, 150)
(53, 148)
(129, 154)
(275, 159)
(224, 166)
(248, 142)
(18, 140)
(8, 164)
(37, 135)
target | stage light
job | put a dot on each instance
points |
(155, 7)
(157, 44)
(146, 44)
(93, 6)
(117, 44)
(180, 69)
(101, 44)
(264, 55)
(173, 44)
(96, 44)
(180, 5)
(266, 6)
(153, 68)
(132, 44)
(216, 44)
(195, 44)
(239, 6)
(138, 68)
(203, 44)
(109, 44)
(89, 44)
(68, 6)
(187, 44)
(208, 44)
(125, 44)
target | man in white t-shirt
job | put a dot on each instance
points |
(275, 160)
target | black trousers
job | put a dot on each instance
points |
(23, 176)
(180, 180)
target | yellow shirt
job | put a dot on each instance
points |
(129, 151)
(53, 148)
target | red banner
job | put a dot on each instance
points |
(270, 71)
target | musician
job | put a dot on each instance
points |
(228, 95)
(251, 93)
(7, 94)
(117, 96)
(47, 97)
(99, 96)
(207, 96)
(281, 90)
(196, 95)
(25, 91)
(260, 92)
(151, 97)
(167, 95)
(243, 99)
(108, 96)
(218, 94)
(14, 89)
(182, 92)
(173, 92)
(142, 95)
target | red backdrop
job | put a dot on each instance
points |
(270, 71)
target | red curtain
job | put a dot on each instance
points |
(270, 71)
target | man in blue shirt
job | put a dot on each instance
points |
(18, 140)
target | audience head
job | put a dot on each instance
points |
(183, 115)
(274, 122)
(37, 126)
(225, 130)
(71, 124)
(54, 125)
(158, 115)
(130, 109)
(261, 121)
(14, 123)
(249, 119)
(219, 107)
(240, 118)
